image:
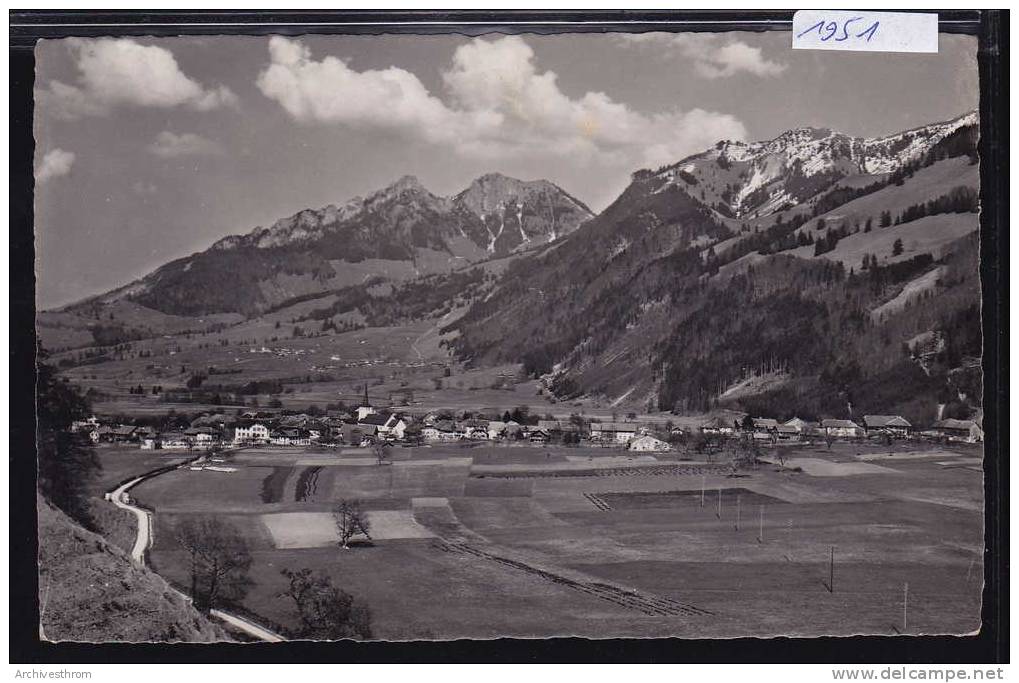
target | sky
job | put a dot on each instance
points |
(150, 149)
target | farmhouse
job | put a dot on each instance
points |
(717, 425)
(385, 424)
(796, 423)
(202, 437)
(537, 435)
(846, 429)
(374, 419)
(513, 430)
(619, 432)
(118, 433)
(966, 431)
(648, 443)
(89, 426)
(290, 436)
(559, 428)
(353, 434)
(887, 424)
(396, 426)
(787, 432)
(175, 441)
(255, 432)
(474, 429)
(497, 428)
(765, 427)
(442, 430)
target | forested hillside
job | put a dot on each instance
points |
(812, 308)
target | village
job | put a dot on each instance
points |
(366, 425)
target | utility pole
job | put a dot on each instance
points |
(760, 533)
(905, 602)
(831, 572)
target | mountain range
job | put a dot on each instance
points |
(803, 272)
(402, 228)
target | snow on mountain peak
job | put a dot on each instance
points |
(741, 179)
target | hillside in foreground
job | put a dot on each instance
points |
(90, 591)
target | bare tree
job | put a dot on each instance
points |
(829, 438)
(219, 560)
(351, 520)
(381, 451)
(780, 454)
(326, 612)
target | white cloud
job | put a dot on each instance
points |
(168, 145)
(121, 72)
(56, 162)
(497, 105)
(713, 55)
(330, 91)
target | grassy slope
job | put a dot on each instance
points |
(90, 591)
(927, 183)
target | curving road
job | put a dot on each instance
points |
(120, 498)
(249, 627)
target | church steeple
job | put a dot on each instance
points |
(365, 409)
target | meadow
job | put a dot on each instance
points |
(516, 541)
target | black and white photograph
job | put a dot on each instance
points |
(398, 336)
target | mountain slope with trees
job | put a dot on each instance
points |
(669, 298)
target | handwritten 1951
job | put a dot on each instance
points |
(836, 32)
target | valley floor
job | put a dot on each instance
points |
(496, 540)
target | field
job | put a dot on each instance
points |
(555, 541)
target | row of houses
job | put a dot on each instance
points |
(872, 425)
(367, 424)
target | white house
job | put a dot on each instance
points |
(385, 424)
(395, 426)
(253, 433)
(648, 443)
(842, 428)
